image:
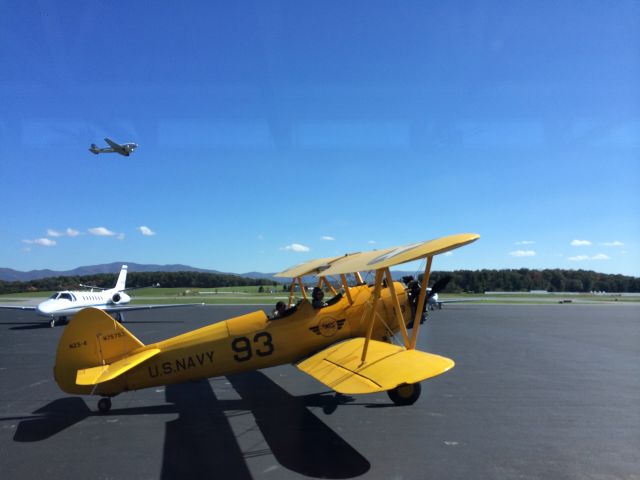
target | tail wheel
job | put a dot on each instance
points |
(405, 394)
(104, 405)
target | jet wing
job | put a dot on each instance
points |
(340, 367)
(131, 308)
(17, 307)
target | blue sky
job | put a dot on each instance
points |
(275, 132)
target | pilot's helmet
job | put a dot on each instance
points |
(317, 293)
(280, 306)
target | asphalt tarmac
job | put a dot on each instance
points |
(538, 392)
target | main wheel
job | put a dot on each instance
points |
(405, 394)
(104, 405)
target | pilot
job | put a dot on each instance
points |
(279, 310)
(282, 311)
(317, 298)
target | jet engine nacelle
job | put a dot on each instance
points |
(120, 298)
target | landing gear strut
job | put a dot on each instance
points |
(52, 323)
(406, 394)
(104, 405)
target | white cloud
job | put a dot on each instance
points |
(525, 242)
(45, 242)
(447, 254)
(146, 231)
(523, 253)
(69, 232)
(327, 237)
(580, 243)
(120, 236)
(615, 243)
(371, 242)
(296, 247)
(581, 258)
(102, 232)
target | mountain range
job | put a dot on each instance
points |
(10, 275)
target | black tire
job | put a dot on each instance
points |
(104, 405)
(405, 394)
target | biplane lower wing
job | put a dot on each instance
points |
(104, 373)
(340, 366)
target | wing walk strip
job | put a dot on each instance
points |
(349, 372)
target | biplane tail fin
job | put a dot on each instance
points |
(94, 339)
(340, 367)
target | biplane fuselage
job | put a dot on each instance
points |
(247, 342)
(345, 345)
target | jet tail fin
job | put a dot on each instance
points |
(122, 279)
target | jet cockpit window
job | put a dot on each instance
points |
(66, 296)
(54, 296)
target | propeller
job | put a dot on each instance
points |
(439, 286)
(413, 291)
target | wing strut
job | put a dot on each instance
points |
(396, 307)
(376, 295)
(345, 285)
(295, 280)
(324, 280)
(420, 306)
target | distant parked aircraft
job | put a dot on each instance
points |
(123, 149)
(114, 301)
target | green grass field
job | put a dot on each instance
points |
(251, 295)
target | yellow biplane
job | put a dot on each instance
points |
(344, 343)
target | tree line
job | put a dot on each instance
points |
(474, 281)
(135, 280)
(525, 280)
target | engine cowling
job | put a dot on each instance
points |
(120, 298)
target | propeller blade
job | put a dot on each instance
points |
(439, 286)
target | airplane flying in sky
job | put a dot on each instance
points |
(114, 301)
(123, 149)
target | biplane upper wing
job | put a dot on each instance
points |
(388, 257)
(340, 366)
(312, 267)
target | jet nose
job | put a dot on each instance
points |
(44, 308)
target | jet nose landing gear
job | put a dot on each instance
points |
(104, 405)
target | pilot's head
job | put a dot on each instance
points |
(280, 306)
(317, 293)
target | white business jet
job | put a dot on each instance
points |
(113, 301)
(123, 149)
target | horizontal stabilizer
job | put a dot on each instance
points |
(340, 367)
(104, 373)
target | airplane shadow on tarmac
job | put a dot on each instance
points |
(201, 440)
